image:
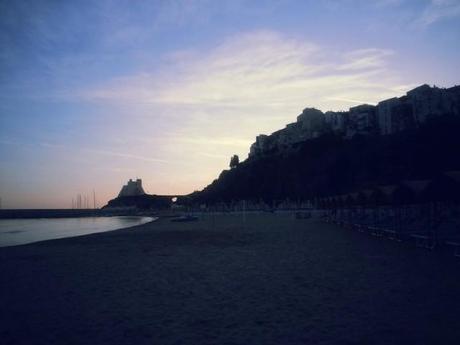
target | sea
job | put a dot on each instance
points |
(21, 231)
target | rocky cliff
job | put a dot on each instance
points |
(321, 154)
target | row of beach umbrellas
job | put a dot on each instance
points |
(443, 188)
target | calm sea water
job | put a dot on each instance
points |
(21, 231)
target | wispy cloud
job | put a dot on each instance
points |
(407, 14)
(216, 100)
(125, 155)
(69, 150)
(438, 10)
(263, 69)
(215, 141)
(251, 83)
(370, 58)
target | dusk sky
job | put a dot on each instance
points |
(93, 93)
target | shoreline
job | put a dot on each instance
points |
(77, 232)
(69, 213)
(259, 279)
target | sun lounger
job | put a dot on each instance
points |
(423, 241)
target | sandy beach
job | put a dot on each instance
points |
(265, 279)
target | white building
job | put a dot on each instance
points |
(428, 102)
(312, 123)
(361, 120)
(335, 120)
(385, 110)
(389, 116)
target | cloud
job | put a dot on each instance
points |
(370, 58)
(215, 141)
(438, 10)
(216, 100)
(405, 13)
(68, 149)
(336, 5)
(220, 98)
(125, 155)
(261, 68)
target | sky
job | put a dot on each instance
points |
(93, 93)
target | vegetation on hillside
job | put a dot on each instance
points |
(331, 165)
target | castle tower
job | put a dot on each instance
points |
(132, 188)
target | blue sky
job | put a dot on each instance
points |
(93, 93)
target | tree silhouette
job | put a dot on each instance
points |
(234, 161)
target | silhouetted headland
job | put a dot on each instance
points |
(133, 197)
(411, 138)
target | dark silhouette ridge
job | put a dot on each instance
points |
(142, 202)
(133, 196)
(332, 163)
(388, 117)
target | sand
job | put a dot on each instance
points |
(270, 279)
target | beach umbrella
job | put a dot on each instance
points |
(444, 188)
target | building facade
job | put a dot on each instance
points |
(389, 116)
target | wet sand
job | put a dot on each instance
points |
(270, 279)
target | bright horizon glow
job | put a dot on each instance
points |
(93, 94)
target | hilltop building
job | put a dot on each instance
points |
(258, 147)
(389, 116)
(385, 114)
(361, 120)
(395, 115)
(335, 121)
(312, 123)
(132, 188)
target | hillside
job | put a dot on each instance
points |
(332, 164)
(142, 202)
